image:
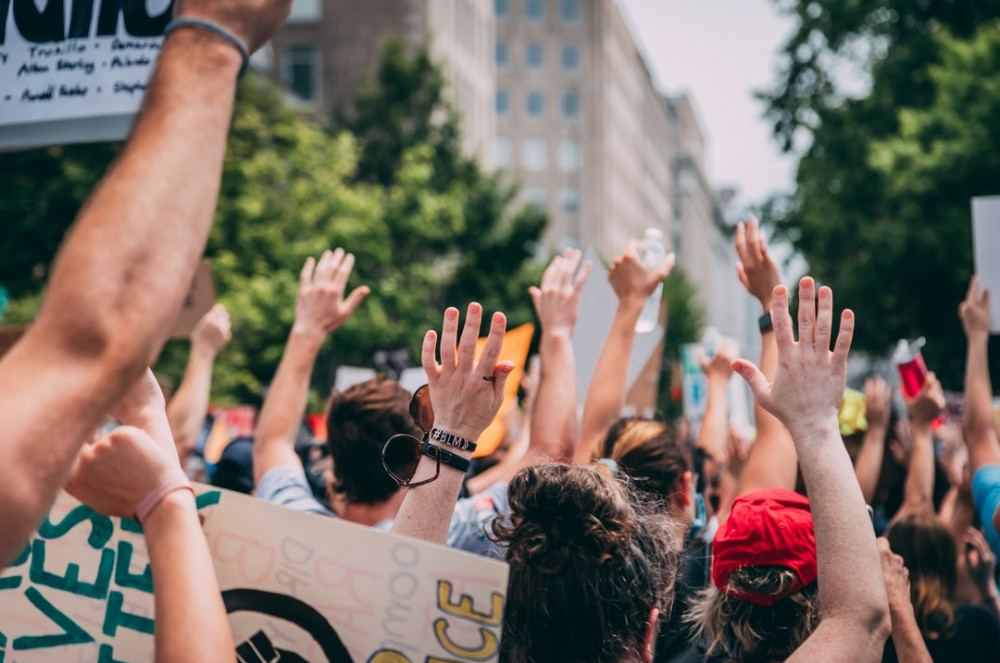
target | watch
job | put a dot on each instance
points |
(765, 323)
(460, 443)
(443, 455)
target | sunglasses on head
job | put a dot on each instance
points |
(401, 453)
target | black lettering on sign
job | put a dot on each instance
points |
(48, 24)
(137, 22)
(40, 27)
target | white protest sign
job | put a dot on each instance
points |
(297, 587)
(986, 243)
(75, 70)
(597, 308)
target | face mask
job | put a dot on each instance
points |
(700, 517)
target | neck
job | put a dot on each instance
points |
(371, 514)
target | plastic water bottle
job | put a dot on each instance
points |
(652, 253)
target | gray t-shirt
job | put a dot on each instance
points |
(470, 521)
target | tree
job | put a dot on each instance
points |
(685, 320)
(881, 208)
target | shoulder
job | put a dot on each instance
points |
(287, 486)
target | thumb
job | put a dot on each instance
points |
(500, 374)
(756, 380)
(536, 298)
(357, 296)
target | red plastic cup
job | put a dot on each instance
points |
(910, 364)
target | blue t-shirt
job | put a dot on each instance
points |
(470, 521)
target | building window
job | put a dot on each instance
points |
(503, 152)
(570, 57)
(534, 104)
(534, 10)
(569, 11)
(535, 197)
(501, 8)
(571, 105)
(570, 155)
(305, 10)
(535, 154)
(302, 72)
(569, 202)
(501, 54)
(502, 103)
(534, 55)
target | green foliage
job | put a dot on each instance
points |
(881, 210)
(685, 322)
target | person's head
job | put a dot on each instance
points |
(658, 466)
(359, 421)
(928, 551)
(589, 572)
(763, 600)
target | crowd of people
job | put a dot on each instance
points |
(626, 540)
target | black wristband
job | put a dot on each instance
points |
(460, 443)
(765, 323)
(443, 455)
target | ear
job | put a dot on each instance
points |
(685, 489)
(649, 640)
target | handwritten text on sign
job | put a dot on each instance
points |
(297, 587)
(68, 59)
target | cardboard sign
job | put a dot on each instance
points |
(75, 71)
(297, 587)
(199, 301)
(986, 244)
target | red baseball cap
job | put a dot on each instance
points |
(771, 527)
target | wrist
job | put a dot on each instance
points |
(214, 51)
(814, 431)
(629, 305)
(174, 504)
(464, 432)
(308, 336)
(556, 335)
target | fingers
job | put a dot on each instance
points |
(536, 299)
(842, 348)
(449, 336)
(668, 265)
(758, 384)
(753, 239)
(470, 333)
(741, 272)
(342, 272)
(702, 360)
(305, 277)
(581, 276)
(972, 295)
(807, 311)
(824, 319)
(632, 247)
(327, 264)
(781, 319)
(356, 297)
(741, 242)
(431, 367)
(491, 350)
(500, 374)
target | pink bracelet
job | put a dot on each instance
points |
(157, 495)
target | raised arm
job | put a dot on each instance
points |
(186, 410)
(906, 636)
(320, 308)
(869, 462)
(772, 462)
(633, 284)
(120, 278)
(134, 472)
(466, 395)
(554, 424)
(713, 436)
(918, 491)
(805, 395)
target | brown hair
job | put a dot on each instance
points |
(587, 567)
(928, 551)
(647, 451)
(750, 633)
(359, 421)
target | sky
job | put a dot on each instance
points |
(720, 52)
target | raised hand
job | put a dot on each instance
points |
(720, 366)
(557, 301)
(809, 384)
(466, 394)
(321, 306)
(631, 280)
(877, 397)
(253, 21)
(928, 404)
(213, 332)
(757, 271)
(975, 311)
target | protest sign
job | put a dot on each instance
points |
(986, 242)
(297, 587)
(75, 71)
(199, 301)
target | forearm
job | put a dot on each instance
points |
(906, 637)
(281, 414)
(869, 464)
(554, 426)
(979, 423)
(426, 510)
(850, 572)
(609, 383)
(191, 622)
(919, 486)
(186, 410)
(713, 435)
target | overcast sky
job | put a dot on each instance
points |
(720, 52)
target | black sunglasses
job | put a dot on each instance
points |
(401, 453)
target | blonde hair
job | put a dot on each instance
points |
(752, 633)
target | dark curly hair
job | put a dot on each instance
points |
(359, 421)
(587, 566)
